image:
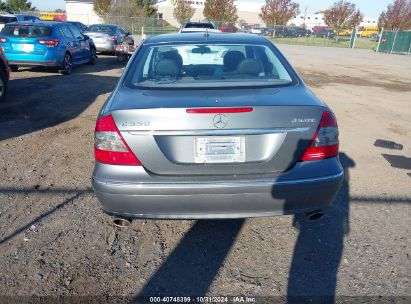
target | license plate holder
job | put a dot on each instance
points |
(24, 47)
(219, 149)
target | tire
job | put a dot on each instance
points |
(93, 56)
(3, 86)
(67, 67)
(14, 68)
(121, 58)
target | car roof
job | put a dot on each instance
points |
(198, 29)
(37, 22)
(105, 24)
(198, 22)
(203, 37)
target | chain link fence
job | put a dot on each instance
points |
(360, 37)
(364, 38)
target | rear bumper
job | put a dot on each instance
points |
(28, 63)
(105, 46)
(217, 199)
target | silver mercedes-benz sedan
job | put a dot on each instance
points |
(208, 125)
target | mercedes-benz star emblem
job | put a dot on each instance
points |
(220, 121)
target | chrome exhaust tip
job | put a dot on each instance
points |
(121, 222)
(314, 215)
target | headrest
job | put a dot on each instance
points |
(173, 55)
(167, 67)
(232, 59)
(250, 67)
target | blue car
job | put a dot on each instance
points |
(45, 43)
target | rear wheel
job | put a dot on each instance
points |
(14, 68)
(93, 57)
(3, 86)
(67, 67)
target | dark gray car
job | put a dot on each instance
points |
(213, 126)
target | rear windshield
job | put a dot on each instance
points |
(4, 20)
(101, 28)
(199, 25)
(207, 66)
(25, 30)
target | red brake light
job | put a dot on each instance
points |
(49, 42)
(325, 140)
(109, 145)
(219, 110)
(112, 38)
(2, 40)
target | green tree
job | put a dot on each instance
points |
(148, 6)
(19, 5)
(3, 6)
(220, 11)
(102, 7)
(183, 11)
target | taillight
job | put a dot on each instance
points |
(325, 140)
(2, 40)
(109, 145)
(49, 42)
(112, 38)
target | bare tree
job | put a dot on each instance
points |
(220, 11)
(183, 11)
(278, 12)
(397, 16)
(342, 15)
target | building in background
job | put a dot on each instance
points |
(82, 11)
(308, 21)
(369, 21)
(246, 11)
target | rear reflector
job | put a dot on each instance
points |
(325, 140)
(219, 110)
(109, 145)
(49, 42)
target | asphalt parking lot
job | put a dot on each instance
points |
(54, 240)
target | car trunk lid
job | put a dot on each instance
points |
(187, 133)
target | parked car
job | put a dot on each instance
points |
(228, 28)
(318, 28)
(6, 18)
(325, 33)
(51, 44)
(198, 30)
(194, 27)
(290, 32)
(4, 76)
(374, 36)
(238, 137)
(106, 36)
(267, 31)
(255, 30)
(21, 17)
(81, 26)
(208, 25)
